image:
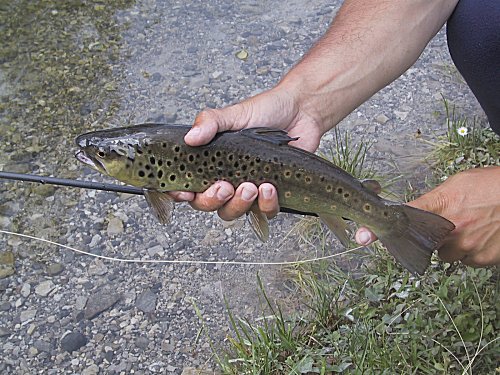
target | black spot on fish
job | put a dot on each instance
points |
(230, 157)
(236, 164)
(148, 167)
(206, 153)
(190, 158)
(199, 170)
(187, 185)
(139, 164)
(246, 157)
(298, 175)
(244, 167)
(288, 174)
(340, 190)
(308, 180)
(164, 144)
(176, 159)
(229, 174)
(169, 163)
(182, 167)
(172, 177)
(152, 160)
(177, 148)
(151, 175)
(160, 163)
(141, 173)
(214, 159)
(267, 169)
(347, 195)
(160, 173)
(139, 151)
(205, 163)
(329, 188)
(257, 160)
(367, 207)
(322, 179)
(189, 175)
(386, 214)
(205, 182)
(162, 184)
(220, 163)
(218, 154)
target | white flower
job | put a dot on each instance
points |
(462, 131)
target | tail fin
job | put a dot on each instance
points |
(413, 241)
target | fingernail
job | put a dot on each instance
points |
(223, 193)
(363, 237)
(193, 132)
(267, 192)
(247, 194)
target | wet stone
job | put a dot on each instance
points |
(146, 301)
(73, 341)
(26, 290)
(44, 190)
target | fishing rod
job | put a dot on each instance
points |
(98, 186)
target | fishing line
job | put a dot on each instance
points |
(190, 262)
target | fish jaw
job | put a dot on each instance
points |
(90, 162)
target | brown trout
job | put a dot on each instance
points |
(155, 158)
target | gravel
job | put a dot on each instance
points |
(120, 63)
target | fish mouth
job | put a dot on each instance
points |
(88, 160)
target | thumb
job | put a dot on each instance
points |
(211, 121)
(434, 201)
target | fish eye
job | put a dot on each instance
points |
(101, 153)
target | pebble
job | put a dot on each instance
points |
(146, 301)
(26, 290)
(99, 302)
(97, 268)
(381, 118)
(156, 250)
(80, 303)
(73, 341)
(55, 269)
(27, 315)
(5, 306)
(4, 332)
(44, 288)
(142, 342)
(115, 226)
(91, 370)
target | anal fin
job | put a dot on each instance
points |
(338, 226)
(258, 222)
(161, 204)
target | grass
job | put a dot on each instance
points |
(379, 319)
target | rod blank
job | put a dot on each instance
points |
(98, 186)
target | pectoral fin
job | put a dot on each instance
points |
(338, 226)
(372, 185)
(258, 222)
(161, 204)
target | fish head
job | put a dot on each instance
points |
(108, 154)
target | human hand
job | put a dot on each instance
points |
(471, 200)
(276, 108)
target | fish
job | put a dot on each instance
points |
(155, 157)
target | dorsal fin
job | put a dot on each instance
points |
(275, 136)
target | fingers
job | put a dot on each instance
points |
(181, 196)
(268, 200)
(364, 236)
(214, 197)
(240, 203)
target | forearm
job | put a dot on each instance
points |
(369, 44)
